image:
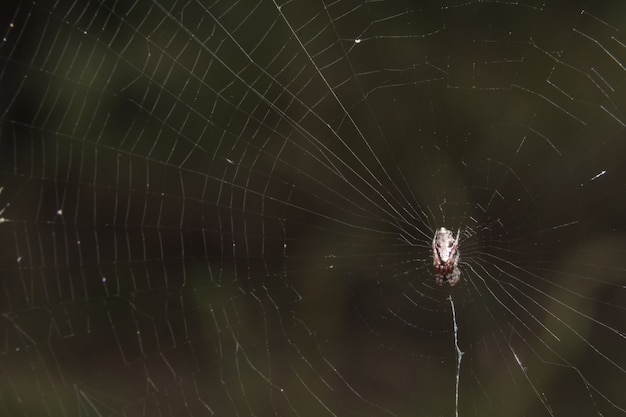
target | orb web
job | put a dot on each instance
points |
(228, 208)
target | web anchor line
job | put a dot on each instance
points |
(459, 355)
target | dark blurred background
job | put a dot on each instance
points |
(228, 208)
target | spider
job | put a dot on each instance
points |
(446, 257)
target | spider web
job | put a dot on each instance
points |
(228, 208)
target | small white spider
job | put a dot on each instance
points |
(446, 257)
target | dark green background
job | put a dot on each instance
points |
(228, 207)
